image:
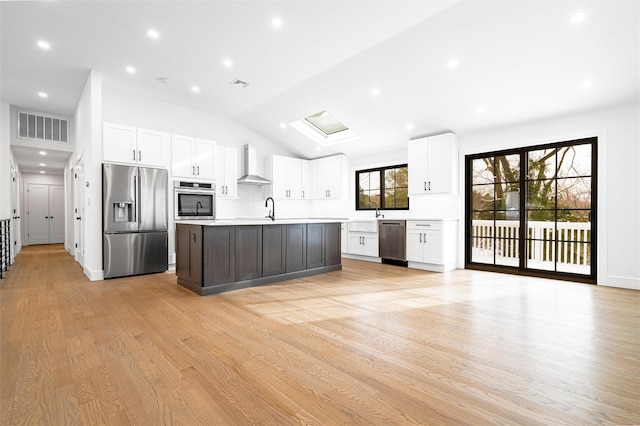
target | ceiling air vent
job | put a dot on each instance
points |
(43, 127)
(239, 83)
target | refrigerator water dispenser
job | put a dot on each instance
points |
(123, 211)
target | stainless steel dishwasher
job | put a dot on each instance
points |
(392, 240)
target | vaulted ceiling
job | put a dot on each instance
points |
(389, 70)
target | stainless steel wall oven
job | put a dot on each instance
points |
(194, 200)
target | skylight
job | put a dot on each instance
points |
(324, 129)
(326, 123)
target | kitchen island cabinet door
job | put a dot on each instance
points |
(274, 249)
(219, 255)
(316, 242)
(333, 243)
(296, 247)
(248, 252)
(189, 253)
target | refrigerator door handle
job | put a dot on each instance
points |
(135, 199)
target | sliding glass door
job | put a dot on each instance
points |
(550, 231)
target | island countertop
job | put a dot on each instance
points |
(259, 221)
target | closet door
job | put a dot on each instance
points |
(56, 214)
(37, 214)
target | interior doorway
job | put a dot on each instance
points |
(45, 214)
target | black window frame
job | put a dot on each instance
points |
(521, 269)
(381, 170)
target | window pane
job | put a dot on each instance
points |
(402, 198)
(574, 160)
(574, 193)
(402, 177)
(574, 225)
(542, 164)
(507, 196)
(390, 198)
(482, 197)
(482, 171)
(482, 250)
(574, 257)
(374, 180)
(507, 168)
(364, 181)
(541, 194)
(482, 224)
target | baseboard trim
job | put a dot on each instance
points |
(622, 282)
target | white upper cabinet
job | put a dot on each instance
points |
(433, 165)
(226, 171)
(192, 158)
(130, 145)
(305, 180)
(331, 177)
(286, 176)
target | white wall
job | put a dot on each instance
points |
(5, 162)
(618, 135)
(88, 134)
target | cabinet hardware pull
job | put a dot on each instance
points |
(421, 237)
(194, 237)
(425, 186)
(429, 185)
(193, 170)
(198, 170)
(139, 155)
(134, 155)
(303, 194)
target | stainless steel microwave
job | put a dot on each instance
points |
(194, 200)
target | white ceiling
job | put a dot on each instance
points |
(521, 61)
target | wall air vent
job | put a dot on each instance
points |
(43, 127)
(239, 83)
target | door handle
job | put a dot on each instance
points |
(78, 218)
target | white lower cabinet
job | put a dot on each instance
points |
(365, 244)
(362, 240)
(431, 244)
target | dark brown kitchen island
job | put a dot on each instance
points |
(218, 256)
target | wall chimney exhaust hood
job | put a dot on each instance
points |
(250, 170)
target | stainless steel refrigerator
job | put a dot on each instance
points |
(134, 220)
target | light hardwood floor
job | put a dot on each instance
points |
(371, 344)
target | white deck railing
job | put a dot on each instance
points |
(572, 250)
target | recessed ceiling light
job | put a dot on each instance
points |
(453, 63)
(276, 22)
(375, 92)
(578, 17)
(131, 70)
(42, 152)
(43, 95)
(283, 125)
(481, 109)
(195, 89)
(318, 148)
(227, 62)
(42, 171)
(586, 84)
(409, 126)
(153, 34)
(42, 164)
(44, 45)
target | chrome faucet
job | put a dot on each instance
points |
(272, 212)
(378, 214)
